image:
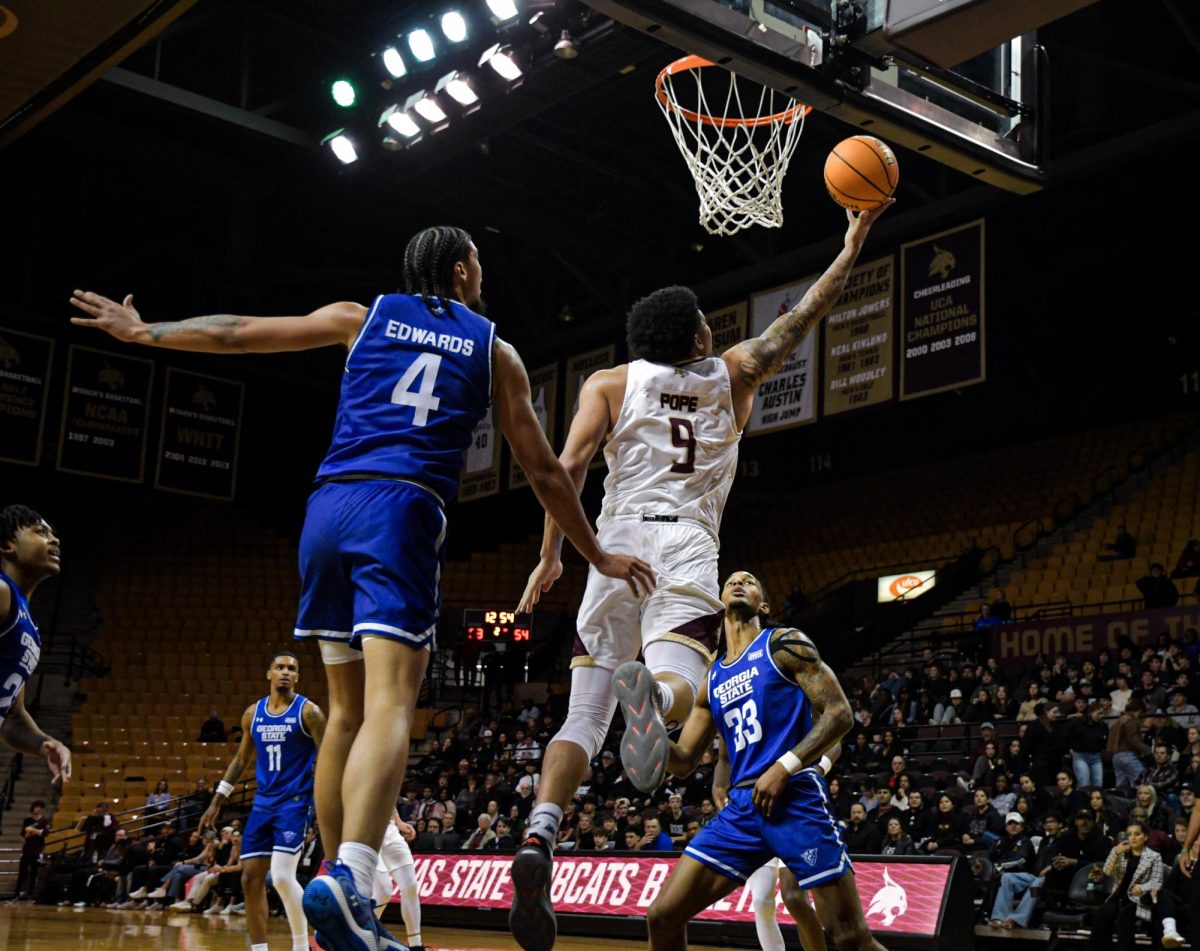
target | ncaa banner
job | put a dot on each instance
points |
(579, 368)
(941, 308)
(201, 430)
(728, 326)
(859, 334)
(788, 398)
(481, 468)
(25, 361)
(543, 391)
(105, 414)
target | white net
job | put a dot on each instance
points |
(736, 141)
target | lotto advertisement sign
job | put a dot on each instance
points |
(897, 897)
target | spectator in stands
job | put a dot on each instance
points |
(194, 804)
(227, 891)
(1161, 730)
(1120, 693)
(1003, 705)
(862, 836)
(1013, 851)
(504, 837)
(984, 824)
(896, 840)
(34, 829)
(175, 884)
(1029, 809)
(653, 839)
(1086, 738)
(947, 827)
(1183, 713)
(955, 710)
(885, 806)
(917, 819)
(1123, 546)
(530, 713)
(101, 829)
(1162, 774)
(447, 840)
(840, 799)
(426, 807)
(1065, 798)
(860, 757)
(1044, 744)
(891, 750)
(1136, 872)
(1076, 849)
(212, 730)
(1107, 821)
(1157, 589)
(158, 801)
(1033, 697)
(674, 821)
(1188, 565)
(1019, 885)
(1016, 758)
(986, 620)
(1001, 610)
(987, 765)
(1125, 744)
(1004, 797)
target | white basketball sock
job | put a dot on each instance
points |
(544, 822)
(361, 860)
(664, 697)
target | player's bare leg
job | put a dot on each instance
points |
(254, 888)
(345, 718)
(840, 913)
(812, 935)
(690, 889)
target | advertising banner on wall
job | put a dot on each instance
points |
(25, 361)
(105, 413)
(201, 430)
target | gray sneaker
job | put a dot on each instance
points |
(644, 745)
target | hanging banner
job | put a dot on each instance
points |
(25, 361)
(578, 370)
(859, 334)
(201, 430)
(787, 399)
(728, 326)
(543, 391)
(105, 414)
(941, 308)
(481, 470)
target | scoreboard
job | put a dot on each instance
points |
(491, 625)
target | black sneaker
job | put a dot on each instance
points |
(531, 918)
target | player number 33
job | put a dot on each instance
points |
(745, 725)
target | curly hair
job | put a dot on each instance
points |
(661, 327)
(13, 519)
(429, 261)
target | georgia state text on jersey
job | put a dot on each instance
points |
(415, 386)
(759, 712)
(20, 647)
(673, 449)
(284, 754)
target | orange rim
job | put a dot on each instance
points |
(789, 115)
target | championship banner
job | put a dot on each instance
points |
(201, 430)
(578, 370)
(941, 305)
(1015, 644)
(105, 414)
(858, 340)
(481, 470)
(25, 362)
(898, 897)
(543, 390)
(728, 326)
(788, 398)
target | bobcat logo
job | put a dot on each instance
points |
(942, 264)
(204, 398)
(111, 377)
(891, 901)
(8, 354)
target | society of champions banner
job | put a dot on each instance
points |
(543, 391)
(941, 305)
(858, 340)
(201, 427)
(24, 380)
(578, 370)
(105, 414)
(787, 399)
(728, 326)
(481, 470)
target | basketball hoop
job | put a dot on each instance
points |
(737, 157)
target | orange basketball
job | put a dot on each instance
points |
(861, 173)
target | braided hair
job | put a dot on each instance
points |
(429, 263)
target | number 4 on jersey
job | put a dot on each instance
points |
(425, 367)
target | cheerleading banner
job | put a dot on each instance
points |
(898, 897)
(481, 469)
(788, 398)
(25, 361)
(543, 393)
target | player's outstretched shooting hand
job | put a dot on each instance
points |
(636, 573)
(769, 788)
(209, 819)
(58, 758)
(541, 580)
(859, 222)
(121, 320)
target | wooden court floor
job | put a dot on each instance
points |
(45, 928)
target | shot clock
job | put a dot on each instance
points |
(491, 625)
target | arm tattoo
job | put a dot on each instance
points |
(791, 650)
(796, 655)
(158, 332)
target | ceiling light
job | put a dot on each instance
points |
(421, 44)
(393, 62)
(401, 122)
(502, 10)
(501, 59)
(342, 147)
(424, 105)
(343, 93)
(458, 88)
(565, 47)
(454, 26)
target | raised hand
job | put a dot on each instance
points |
(121, 320)
(541, 580)
(58, 758)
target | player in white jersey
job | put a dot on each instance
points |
(673, 417)
(396, 866)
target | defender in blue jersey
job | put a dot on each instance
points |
(777, 708)
(421, 371)
(29, 554)
(281, 734)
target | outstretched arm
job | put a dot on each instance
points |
(233, 772)
(222, 333)
(19, 731)
(797, 657)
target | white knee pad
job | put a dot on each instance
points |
(336, 652)
(591, 709)
(283, 867)
(663, 656)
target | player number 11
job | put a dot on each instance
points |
(275, 757)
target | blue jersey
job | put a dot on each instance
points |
(284, 754)
(760, 713)
(20, 647)
(415, 386)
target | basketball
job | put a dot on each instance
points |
(861, 173)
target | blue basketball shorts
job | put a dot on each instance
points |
(801, 831)
(371, 556)
(279, 827)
